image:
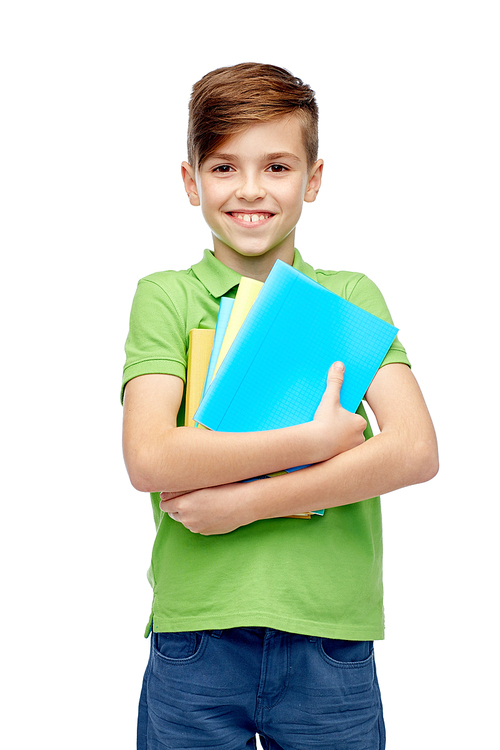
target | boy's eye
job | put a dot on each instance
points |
(277, 168)
(222, 168)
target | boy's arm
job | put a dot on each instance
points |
(161, 456)
(403, 453)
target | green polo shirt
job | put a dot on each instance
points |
(320, 577)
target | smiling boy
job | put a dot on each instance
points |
(252, 193)
(262, 625)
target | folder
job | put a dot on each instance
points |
(199, 352)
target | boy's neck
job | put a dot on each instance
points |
(253, 266)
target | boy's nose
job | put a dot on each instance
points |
(250, 189)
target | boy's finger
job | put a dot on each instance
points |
(334, 381)
(336, 373)
(166, 505)
(172, 495)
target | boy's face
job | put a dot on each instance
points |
(251, 191)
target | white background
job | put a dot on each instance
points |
(94, 98)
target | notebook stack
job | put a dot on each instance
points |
(265, 366)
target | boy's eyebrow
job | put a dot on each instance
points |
(266, 157)
(221, 157)
(281, 155)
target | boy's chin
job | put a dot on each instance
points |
(245, 251)
(253, 249)
(255, 262)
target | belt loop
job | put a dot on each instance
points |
(216, 633)
(311, 638)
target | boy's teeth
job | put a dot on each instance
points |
(251, 217)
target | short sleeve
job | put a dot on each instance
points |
(157, 338)
(367, 295)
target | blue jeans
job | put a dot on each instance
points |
(219, 689)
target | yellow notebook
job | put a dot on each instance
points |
(200, 347)
(246, 295)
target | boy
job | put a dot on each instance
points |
(262, 625)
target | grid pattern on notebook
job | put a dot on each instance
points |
(275, 373)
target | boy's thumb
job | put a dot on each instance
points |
(336, 372)
(331, 396)
(336, 375)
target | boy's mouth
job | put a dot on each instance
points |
(250, 217)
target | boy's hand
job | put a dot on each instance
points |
(214, 510)
(341, 429)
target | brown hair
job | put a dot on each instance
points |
(226, 101)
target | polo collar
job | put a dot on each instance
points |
(218, 279)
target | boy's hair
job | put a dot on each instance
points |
(228, 100)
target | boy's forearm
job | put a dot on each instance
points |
(187, 458)
(160, 456)
(379, 466)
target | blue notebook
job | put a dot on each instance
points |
(274, 374)
(226, 305)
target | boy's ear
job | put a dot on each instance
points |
(314, 183)
(188, 177)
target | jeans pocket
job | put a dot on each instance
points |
(177, 646)
(347, 652)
